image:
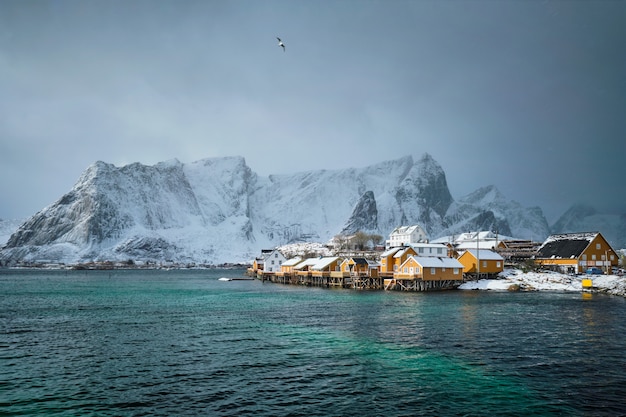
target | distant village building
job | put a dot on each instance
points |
(406, 235)
(575, 252)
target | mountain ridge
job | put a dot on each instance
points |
(218, 210)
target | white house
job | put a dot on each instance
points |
(273, 260)
(430, 249)
(406, 235)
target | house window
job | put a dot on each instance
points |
(411, 270)
(406, 270)
(498, 264)
(443, 269)
(593, 257)
(484, 264)
(584, 257)
(439, 250)
(395, 268)
(598, 246)
(420, 250)
(272, 262)
(275, 255)
(456, 271)
(612, 257)
(432, 271)
(603, 257)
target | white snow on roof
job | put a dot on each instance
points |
(390, 252)
(306, 262)
(435, 262)
(482, 244)
(401, 252)
(292, 261)
(486, 255)
(589, 236)
(324, 262)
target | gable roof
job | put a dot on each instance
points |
(403, 251)
(324, 263)
(390, 252)
(484, 255)
(292, 261)
(306, 262)
(406, 230)
(266, 253)
(359, 261)
(566, 245)
(435, 262)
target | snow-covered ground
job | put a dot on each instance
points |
(548, 281)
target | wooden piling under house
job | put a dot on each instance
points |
(426, 273)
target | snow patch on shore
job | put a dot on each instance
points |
(548, 281)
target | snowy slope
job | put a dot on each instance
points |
(7, 228)
(488, 209)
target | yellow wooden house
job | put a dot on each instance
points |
(391, 259)
(575, 252)
(481, 261)
(360, 267)
(289, 264)
(324, 266)
(430, 268)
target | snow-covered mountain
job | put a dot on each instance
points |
(218, 210)
(584, 218)
(7, 228)
(488, 209)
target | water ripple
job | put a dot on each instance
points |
(146, 343)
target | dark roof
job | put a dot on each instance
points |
(360, 261)
(563, 248)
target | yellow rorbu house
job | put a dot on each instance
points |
(575, 252)
(424, 273)
(359, 267)
(393, 258)
(481, 261)
(430, 268)
(324, 266)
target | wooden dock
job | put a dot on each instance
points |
(356, 281)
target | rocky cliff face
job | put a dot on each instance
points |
(217, 210)
(364, 218)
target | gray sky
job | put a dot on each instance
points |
(527, 95)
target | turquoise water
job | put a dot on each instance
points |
(132, 343)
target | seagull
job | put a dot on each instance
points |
(280, 43)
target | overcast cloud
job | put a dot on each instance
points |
(527, 95)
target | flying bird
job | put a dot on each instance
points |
(280, 43)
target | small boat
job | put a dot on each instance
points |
(225, 279)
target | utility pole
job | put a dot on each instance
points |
(477, 255)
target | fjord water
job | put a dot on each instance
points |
(117, 343)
